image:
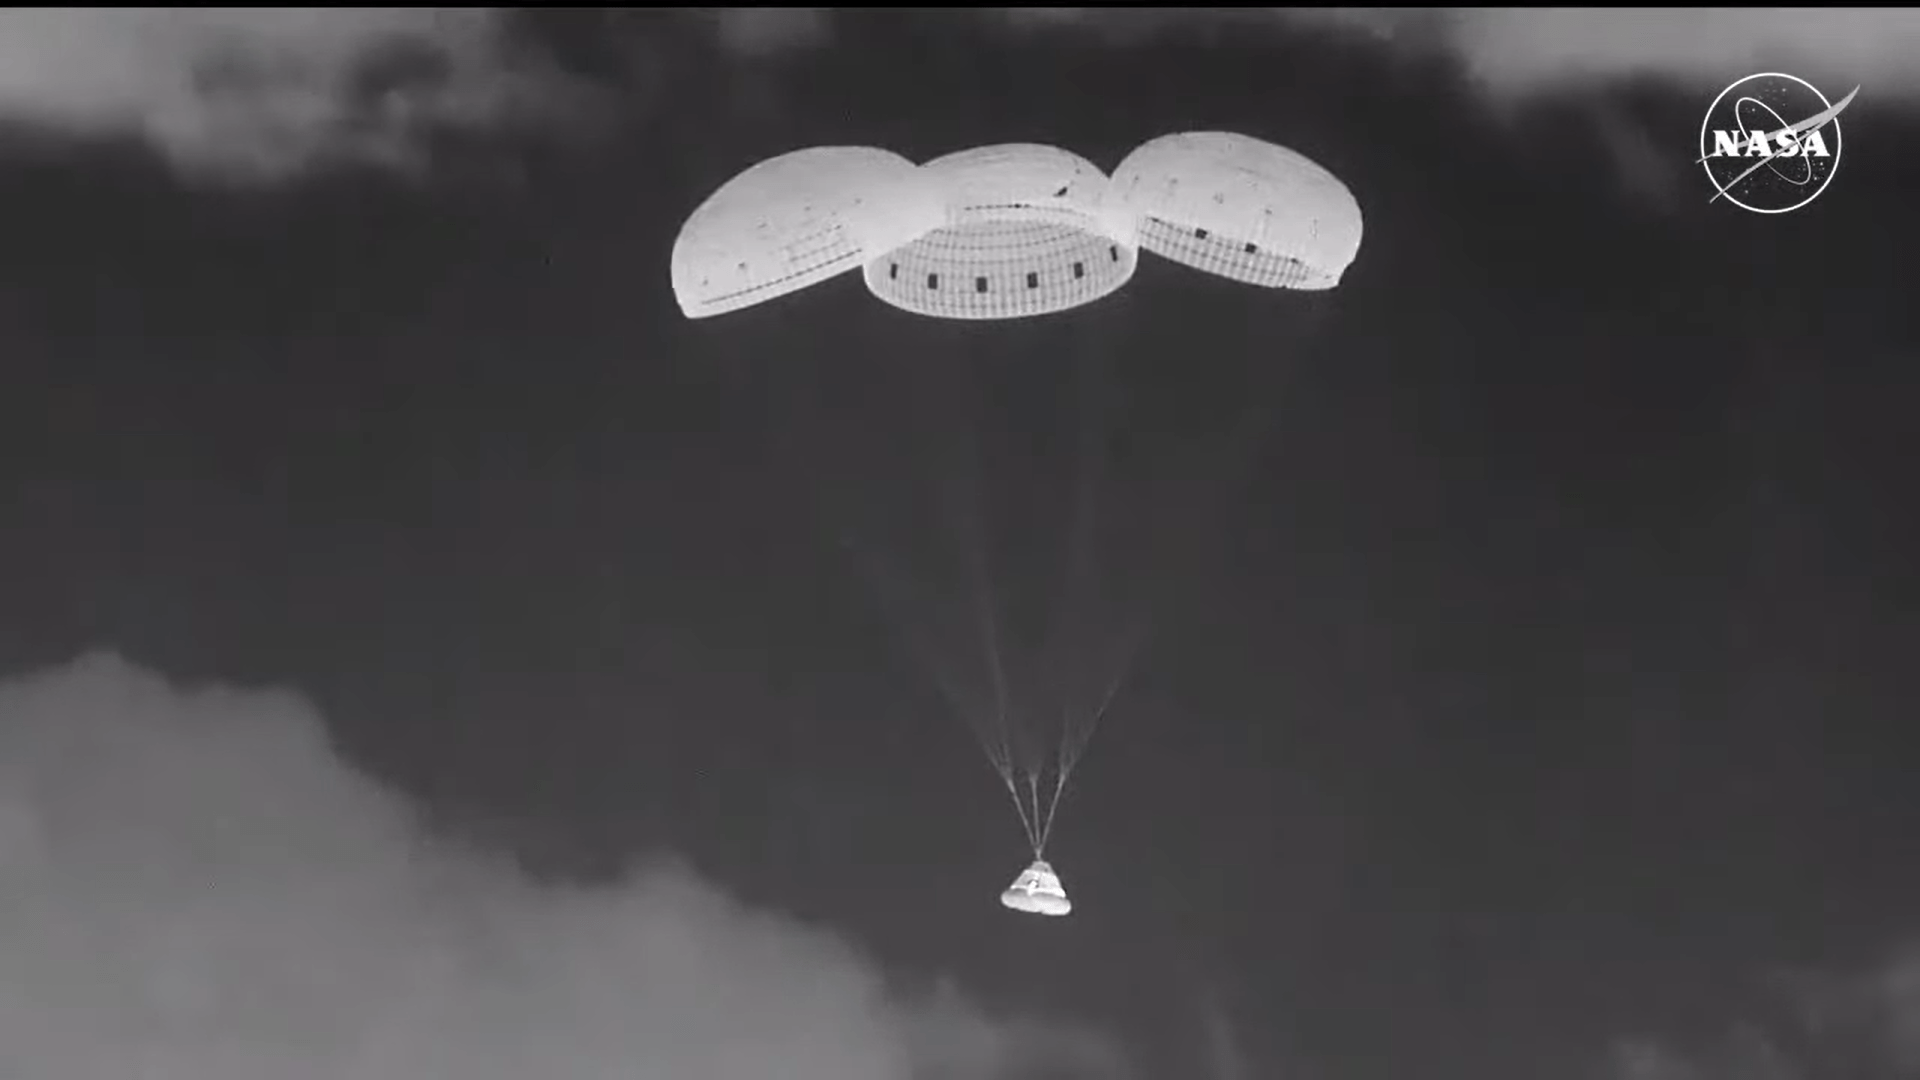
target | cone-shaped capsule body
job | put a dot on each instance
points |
(1037, 891)
(1240, 208)
(797, 220)
(1027, 231)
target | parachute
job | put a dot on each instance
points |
(794, 221)
(1026, 233)
(1014, 231)
(1009, 233)
(1240, 208)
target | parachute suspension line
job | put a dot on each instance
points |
(893, 589)
(1074, 737)
(1080, 734)
(890, 588)
(964, 508)
(992, 736)
(962, 504)
(1039, 837)
(1053, 806)
(1081, 557)
(990, 642)
(1068, 617)
(1027, 821)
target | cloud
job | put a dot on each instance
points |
(1635, 1059)
(264, 93)
(1862, 1023)
(756, 32)
(198, 889)
(1224, 1057)
(1899, 991)
(1515, 57)
(1523, 51)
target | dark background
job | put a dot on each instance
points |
(1545, 678)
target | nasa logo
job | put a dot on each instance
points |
(1758, 159)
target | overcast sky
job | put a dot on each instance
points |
(428, 654)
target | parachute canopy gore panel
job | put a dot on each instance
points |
(796, 220)
(1002, 269)
(1027, 232)
(1228, 256)
(1239, 208)
(1037, 891)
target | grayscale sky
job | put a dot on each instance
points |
(430, 655)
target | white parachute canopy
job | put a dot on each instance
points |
(1239, 208)
(1037, 891)
(1011, 231)
(796, 220)
(1027, 230)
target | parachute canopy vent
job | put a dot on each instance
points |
(1037, 891)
